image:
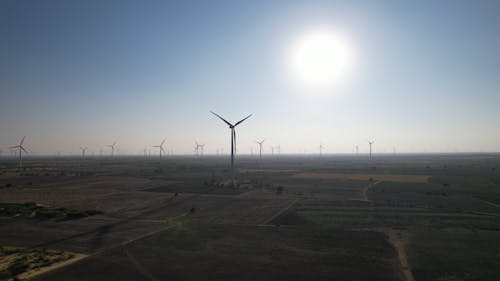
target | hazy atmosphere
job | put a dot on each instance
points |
(249, 140)
(415, 76)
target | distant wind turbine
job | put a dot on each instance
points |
(370, 143)
(112, 146)
(260, 147)
(357, 150)
(160, 147)
(21, 148)
(198, 149)
(233, 140)
(320, 150)
(202, 147)
(83, 149)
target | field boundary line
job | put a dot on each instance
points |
(489, 203)
(280, 212)
(139, 266)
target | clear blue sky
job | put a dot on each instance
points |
(86, 73)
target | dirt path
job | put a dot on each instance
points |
(280, 212)
(489, 203)
(32, 273)
(138, 266)
(122, 244)
(364, 191)
(398, 239)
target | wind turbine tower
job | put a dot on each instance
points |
(370, 143)
(233, 140)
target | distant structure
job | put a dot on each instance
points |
(83, 149)
(370, 144)
(233, 140)
(260, 147)
(202, 148)
(160, 147)
(357, 150)
(21, 148)
(198, 149)
(320, 150)
(112, 146)
(277, 149)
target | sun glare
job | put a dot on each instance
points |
(320, 58)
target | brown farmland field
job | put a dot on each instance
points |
(289, 218)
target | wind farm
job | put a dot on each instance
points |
(363, 140)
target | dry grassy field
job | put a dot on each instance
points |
(362, 176)
(418, 217)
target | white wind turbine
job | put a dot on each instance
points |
(112, 146)
(370, 143)
(21, 148)
(260, 147)
(233, 140)
(160, 147)
(83, 149)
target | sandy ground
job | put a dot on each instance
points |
(399, 239)
(375, 177)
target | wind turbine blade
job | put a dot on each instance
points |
(15, 146)
(163, 141)
(243, 120)
(161, 148)
(23, 149)
(230, 125)
(22, 141)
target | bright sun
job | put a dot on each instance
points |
(320, 58)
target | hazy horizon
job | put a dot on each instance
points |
(423, 76)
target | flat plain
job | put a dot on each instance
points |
(336, 217)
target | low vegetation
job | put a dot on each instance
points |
(15, 261)
(33, 210)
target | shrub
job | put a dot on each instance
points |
(279, 189)
(17, 267)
